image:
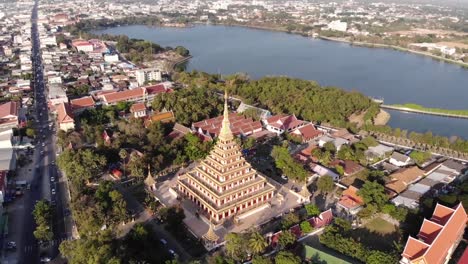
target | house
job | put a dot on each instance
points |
(81, 104)
(261, 113)
(240, 126)
(438, 237)
(322, 171)
(7, 152)
(164, 117)
(350, 201)
(350, 167)
(338, 141)
(82, 45)
(282, 123)
(179, 131)
(65, 117)
(9, 115)
(399, 159)
(324, 218)
(307, 133)
(138, 110)
(378, 152)
(398, 181)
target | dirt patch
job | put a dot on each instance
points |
(422, 31)
(357, 118)
(382, 118)
(453, 44)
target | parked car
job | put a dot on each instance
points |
(163, 241)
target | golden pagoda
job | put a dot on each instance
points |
(224, 183)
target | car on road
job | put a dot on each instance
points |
(45, 259)
(284, 177)
(43, 144)
(53, 191)
(163, 241)
(11, 245)
(52, 179)
(172, 252)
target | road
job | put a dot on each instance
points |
(46, 183)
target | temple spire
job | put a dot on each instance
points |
(210, 234)
(225, 132)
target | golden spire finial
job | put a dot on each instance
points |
(225, 132)
(210, 234)
(149, 170)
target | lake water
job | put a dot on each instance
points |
(398, 77)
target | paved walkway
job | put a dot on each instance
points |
(145, 217)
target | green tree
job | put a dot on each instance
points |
(420, 157)
(30, 132)
(312, 210)
(330, 147)
(369, 141)
(257, 243)
(235, 246)
(261, 260)
(373, 193)
(43, 232)
(289, 220)
(287, 164)
(325, 184)
(379, 257)
(286, 238)
(306, 227)
(123, 155)
(286, 257)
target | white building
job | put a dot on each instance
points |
(111, 58)
(150, 74)
(337, 25)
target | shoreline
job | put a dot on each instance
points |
(397, 48)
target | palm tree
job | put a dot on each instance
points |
(257, 243)
(123, 155)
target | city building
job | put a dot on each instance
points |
(146, 75)
(65, 117)
(80, 104)
(337, 25)
(282, 123)
(224, 184)
(399, 159)
(438, 237)
(9, 115)
(241, 126)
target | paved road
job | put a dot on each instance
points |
(46, 182)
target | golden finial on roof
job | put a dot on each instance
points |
(305, 191)
(210, 234)
(225, 132)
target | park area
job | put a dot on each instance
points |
(377, 234)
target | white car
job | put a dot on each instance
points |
(52, 179)
(53, 191)
(284, 177)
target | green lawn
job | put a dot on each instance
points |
(433, 110)
(380, 226)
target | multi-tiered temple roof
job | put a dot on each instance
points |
(224, 184)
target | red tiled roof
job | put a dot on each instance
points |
(64, 114)
(439, 234)
(307, 132)
(284, 122)
(239, 125)
(137, 107)
(82, 102)
(323, 219)
(296, 230)
(350, 199)
(124, 95)
(155, 89)
(9, 108)
(464, 257)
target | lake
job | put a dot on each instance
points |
(396, 76)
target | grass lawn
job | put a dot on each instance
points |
(380, 226)
(377, 234)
